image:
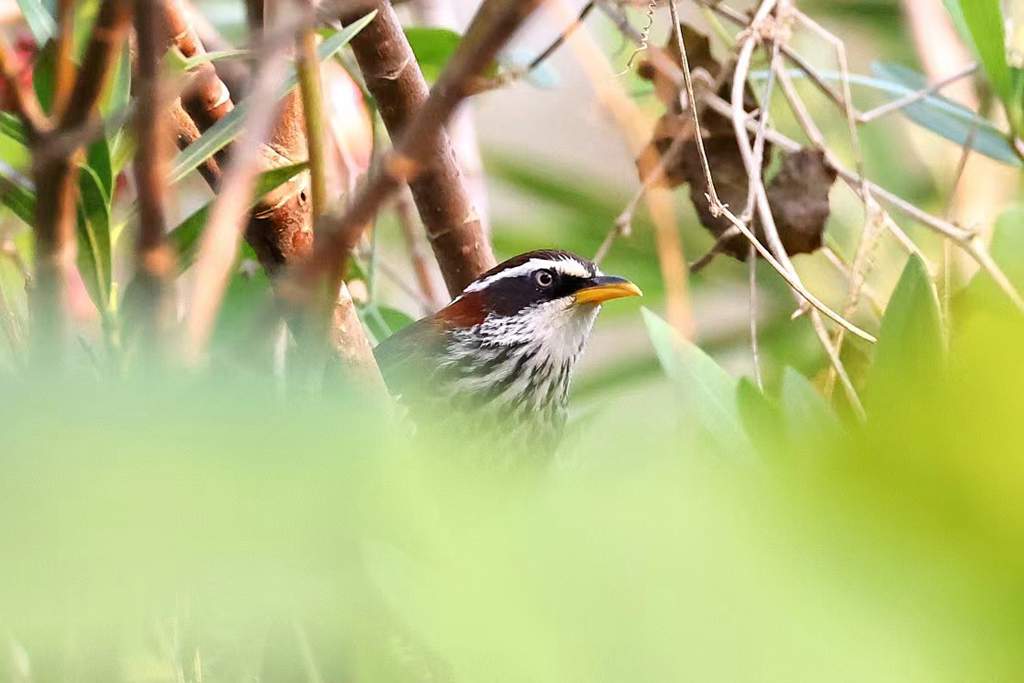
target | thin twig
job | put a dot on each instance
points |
(155, 259)
(229, 213)
(494, 24)
(716, 204)
(764, 212)
(754, 354)
(308, 67)
(424, 156)
(404, 212)
(966, 239)
(64, 65)
(916, 96)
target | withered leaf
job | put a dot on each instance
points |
(798, 195)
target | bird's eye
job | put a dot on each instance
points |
(544, 278)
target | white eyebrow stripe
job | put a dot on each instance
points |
(567, 266)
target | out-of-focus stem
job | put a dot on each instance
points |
(312, 105)
(462, 127)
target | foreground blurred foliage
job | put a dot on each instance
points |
(211, 531)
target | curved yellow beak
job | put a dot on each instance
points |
(604, 288)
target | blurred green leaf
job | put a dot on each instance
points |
(119, 92)
(13, 143)
(433, 47)
(43, 76)
(808, 418)
(946, 118)
(1007, 250)
(94, 260)
(11, 127)
(761, 417)
(40, 22)
(189, 63)
(707, 391)
(984, 19)
(224, 131)
(910, 343)
(185, 237)
(21, 201)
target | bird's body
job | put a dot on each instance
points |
(498, 360)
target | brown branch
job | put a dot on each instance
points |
(228, 215)
(394, 78)
(56, 177)
(418, 144)
(64, 65)
(154, 257)
(404, 211)
(208, 100)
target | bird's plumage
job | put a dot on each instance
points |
(498, 360)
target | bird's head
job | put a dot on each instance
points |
(540, 297)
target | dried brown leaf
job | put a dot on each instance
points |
(798, 195)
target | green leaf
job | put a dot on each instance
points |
(119, 92)
(98, 159)
(40, 22)
(433, 47)
(11, 127)
(94, 262)
(946, 118)
(13, 142)
(708, 392)
(1007, 250)
(808, 418)
(44, 76)
(984, 20)
(761, 417)
(185, 237)
(189, 63)
(20, 200)
(224, 131)
(910, 344)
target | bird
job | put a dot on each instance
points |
(494, 366)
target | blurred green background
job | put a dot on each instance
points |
(214, 527)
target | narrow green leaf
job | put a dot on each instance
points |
(224, 131)
(44, 76)
(185, 237)
(708, 392)
(984, 19)
(40, 21)
(13, 143)
(20, 200)
(11, 127)
(94, 261)
(190, 63)
(119, 91)
(910, 345)
(946, 118)
(98, 159)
